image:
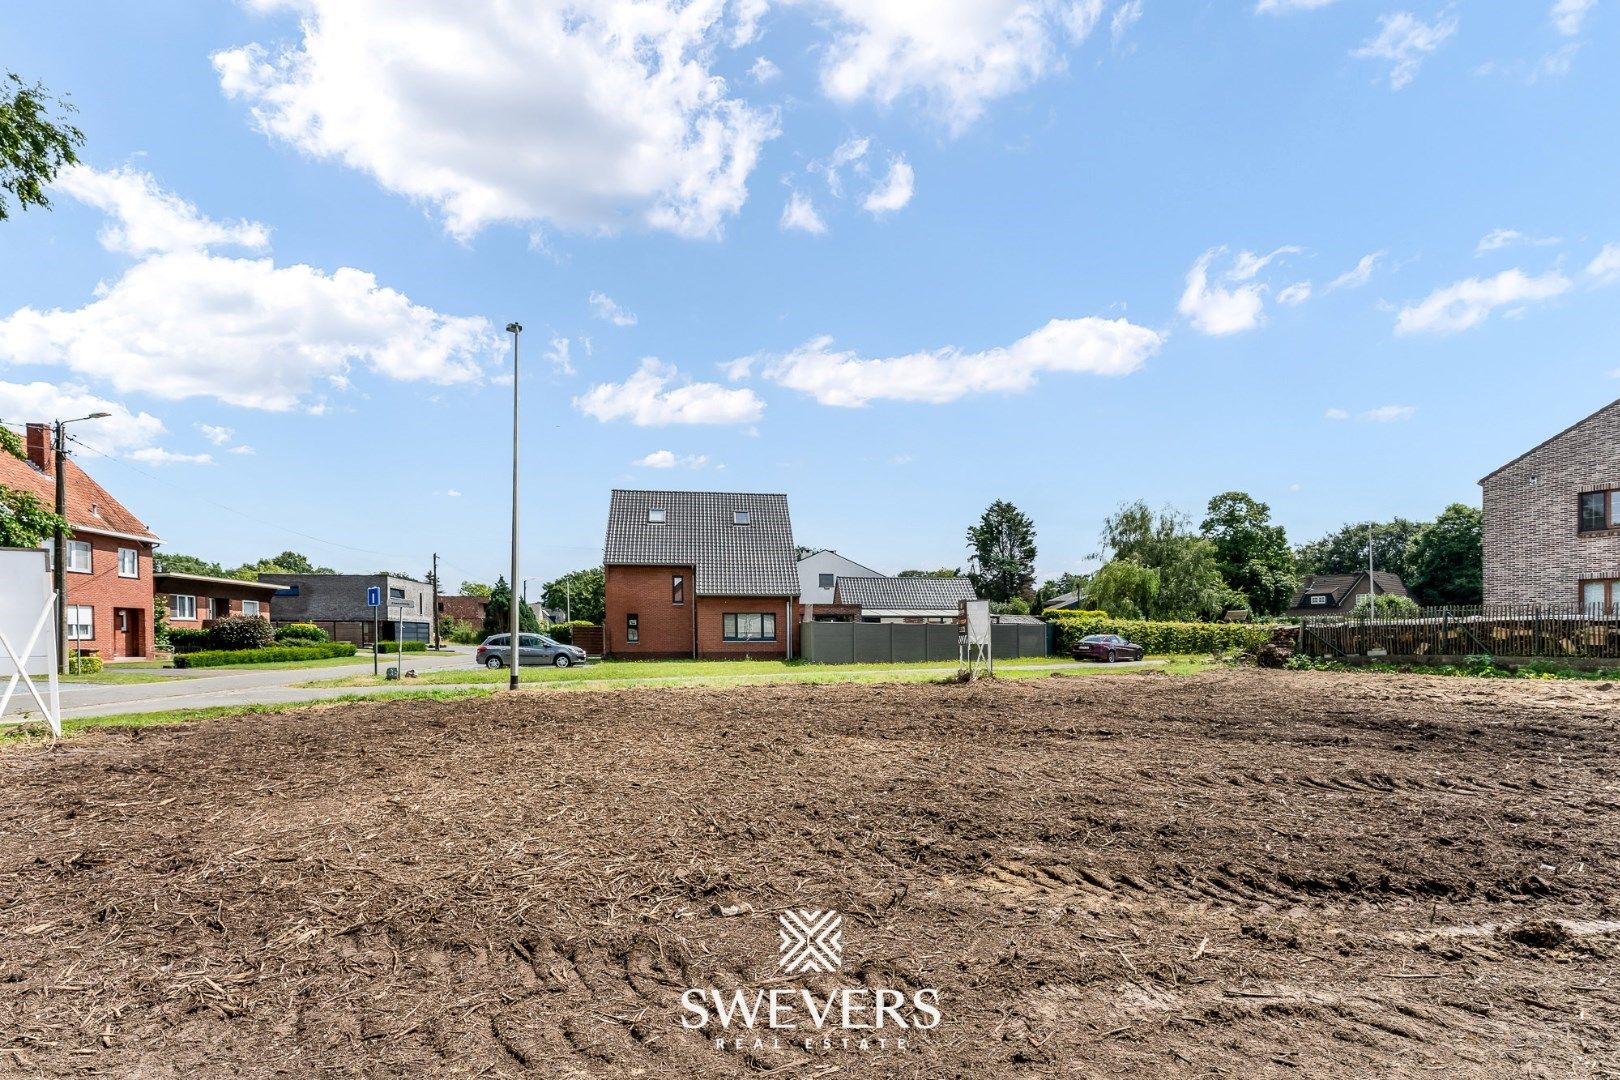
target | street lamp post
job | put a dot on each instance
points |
(516, 641)
(60, 541)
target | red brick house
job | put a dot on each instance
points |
(109, 557)
(702, 574)
(197, 601)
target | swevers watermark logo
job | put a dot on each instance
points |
(845, 1018)
(811, 941)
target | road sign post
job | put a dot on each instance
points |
(374, 602)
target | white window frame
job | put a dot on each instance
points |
(81, 622)
(175, 607)
(657, 516)
(742, 517)
(741, 631)
(74, 549)
(250, 609)
(134, 562)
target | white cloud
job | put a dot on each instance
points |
(453, 493)
(147, 218)
(1405, 41)
(1358, 275)
(188, 323)
(1605, 268)
(763, 71)
(895, 191)
(648, 399)
(557, 356)
(1078, 346)
(219, 436)
(851, 151)
(1125, 17)
(37, 402)
(666, 459)
(746, 14)
(1497, 239)
(1274, 7)
(245, 451)
(1295, 294)
(604, 308)
(956, 60)
(800, 213)
(1386, 414)
(589, 115)
(1232, 307)
(1568, 15)
(1336, 414)
(1470, 302)
(153, 455)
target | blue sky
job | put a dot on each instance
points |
(894, 259)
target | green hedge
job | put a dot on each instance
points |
(393, 646)
(83, 664)
(185, 639)
(274, 654)
(1161, 637)
(288, 633)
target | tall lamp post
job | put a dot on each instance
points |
(516, 640)
(60, 545)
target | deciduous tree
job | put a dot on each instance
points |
(1445, 561)
(1252, 553)
(35, 143)
(581, 593)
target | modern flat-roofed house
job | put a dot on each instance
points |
(818, 577)
(699, 574)
(905, 599)
(1338, 594)
(337, 604)
(197, 601)
(1551, 519)
(109, 554)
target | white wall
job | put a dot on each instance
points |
(811, 567)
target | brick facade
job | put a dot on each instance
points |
(214, 599)
(666, 629)
(121, 607)
(1535, 552)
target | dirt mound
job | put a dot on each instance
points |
(1244, 873)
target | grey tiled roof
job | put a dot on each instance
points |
(757, 559)
(905, 594)
(1339, 586)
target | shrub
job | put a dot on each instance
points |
(241, 632)
(272, 655)
(459, 631)
(183, 639)
(302, 631)
(393, 646)
(1161, 637)
(84, 664)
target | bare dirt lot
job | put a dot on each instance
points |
(1241, 873)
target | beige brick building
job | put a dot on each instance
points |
(1552, 519)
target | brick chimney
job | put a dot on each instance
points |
(39, 447)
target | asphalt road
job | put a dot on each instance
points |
(203, 689)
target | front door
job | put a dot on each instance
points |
(127, 633)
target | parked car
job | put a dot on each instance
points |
(1107, 648)
(496, 651)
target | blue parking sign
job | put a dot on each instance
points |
(374, 596)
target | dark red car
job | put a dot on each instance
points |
(1107, 648)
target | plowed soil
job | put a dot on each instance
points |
(1242, 873)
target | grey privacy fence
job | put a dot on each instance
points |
(899, 643)
(1571, 632)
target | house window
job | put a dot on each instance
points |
(748, 627)
(632, 629)
(81, 622)
(739, 517)
(1319, 600)
(129, 562)
(78, 556)
(396, 594)
(250, 608)
(1599, 596)
(677, 589)
(655, 517)
(826, 581)
(1600, 511)
(183, 607)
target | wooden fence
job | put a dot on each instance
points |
(1505, 630)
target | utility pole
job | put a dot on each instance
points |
(1372, 587)
(436, 643)
(515, 656)
(61, 552)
